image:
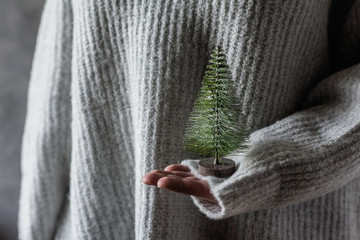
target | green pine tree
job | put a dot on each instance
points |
(216, 125)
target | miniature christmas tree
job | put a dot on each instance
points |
(216, 125)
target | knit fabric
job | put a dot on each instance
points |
(111, 89)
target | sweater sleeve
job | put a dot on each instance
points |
(46, 143)
(301, 157)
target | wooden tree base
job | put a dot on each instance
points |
(208, 168)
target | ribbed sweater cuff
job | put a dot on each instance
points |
(231, 202)
(210, 209)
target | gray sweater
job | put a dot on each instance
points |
(112, 87)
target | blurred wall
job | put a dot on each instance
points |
(19, 21)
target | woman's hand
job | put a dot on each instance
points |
(178, 178)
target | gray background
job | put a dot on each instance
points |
(19, 22)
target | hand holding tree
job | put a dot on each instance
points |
(216, 127)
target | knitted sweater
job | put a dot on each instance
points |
(113, 84)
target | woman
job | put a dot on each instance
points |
(113, 84)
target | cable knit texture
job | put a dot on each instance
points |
(111, 90)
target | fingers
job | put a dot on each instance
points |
(185, 186)
(177, 167)
(152, 177)
(178, 178)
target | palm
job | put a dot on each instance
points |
(178, 178)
